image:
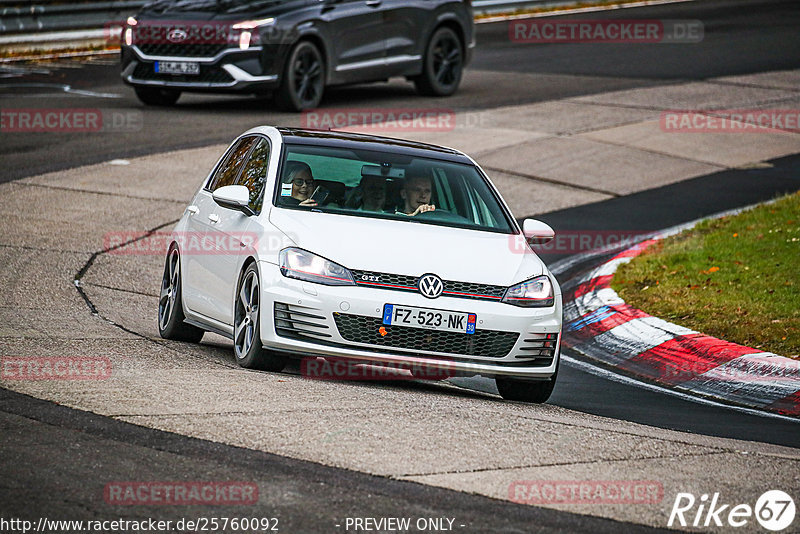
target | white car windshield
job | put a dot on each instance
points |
(389, 186)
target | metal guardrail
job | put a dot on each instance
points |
(45, 15)
(48, 15)
(499, 6)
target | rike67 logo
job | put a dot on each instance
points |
(774, 510)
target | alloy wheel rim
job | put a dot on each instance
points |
(446, 60)
(307, 76)
(169, 290)
(247, 306)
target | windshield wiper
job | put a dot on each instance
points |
(253, 4)
(185, 5)
(158, 5)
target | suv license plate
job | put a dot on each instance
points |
(177, 67)
(446, 321)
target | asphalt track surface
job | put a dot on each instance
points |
(304, 496)
(35, 431)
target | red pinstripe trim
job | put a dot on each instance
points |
(412, 288)
(386, 285)
(472, 295)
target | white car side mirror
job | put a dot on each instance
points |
(537, 232)
(235, 197)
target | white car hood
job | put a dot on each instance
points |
(408, 248)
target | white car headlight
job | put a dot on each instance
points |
(534, 293)
(303, 265)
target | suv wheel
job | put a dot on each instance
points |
(303, 79)
(443, 65)
(157, 97)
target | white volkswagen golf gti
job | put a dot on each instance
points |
(381, 251)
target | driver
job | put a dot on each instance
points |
(416, 195)
(298, 174)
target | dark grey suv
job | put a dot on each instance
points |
(294, 48)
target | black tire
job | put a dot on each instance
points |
(171, 323)
(526, 391)
(443, 64)
(247, 346)
(303, 79)
(153, 96)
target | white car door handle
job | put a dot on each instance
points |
(192, 210)
(214, 218)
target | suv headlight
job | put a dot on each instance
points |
(251, 24)
(249, 31)
(127, 31)
(303, 265)
(534, 293)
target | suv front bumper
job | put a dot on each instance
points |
(231, 70)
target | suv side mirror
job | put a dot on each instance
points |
(537, 232)
(235, 197)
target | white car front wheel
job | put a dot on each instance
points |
(247, 327)
(526, 390)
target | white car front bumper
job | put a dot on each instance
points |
(311, 318)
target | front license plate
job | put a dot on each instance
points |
(177, 67)
(446, 321)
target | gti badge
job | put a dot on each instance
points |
(430, 286)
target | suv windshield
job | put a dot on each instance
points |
(214, 6)
(388, 186)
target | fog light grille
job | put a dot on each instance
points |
(538, 349)
(300, 322)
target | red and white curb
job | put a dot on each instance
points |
(599, 325)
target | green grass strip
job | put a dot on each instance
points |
(736, 278)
